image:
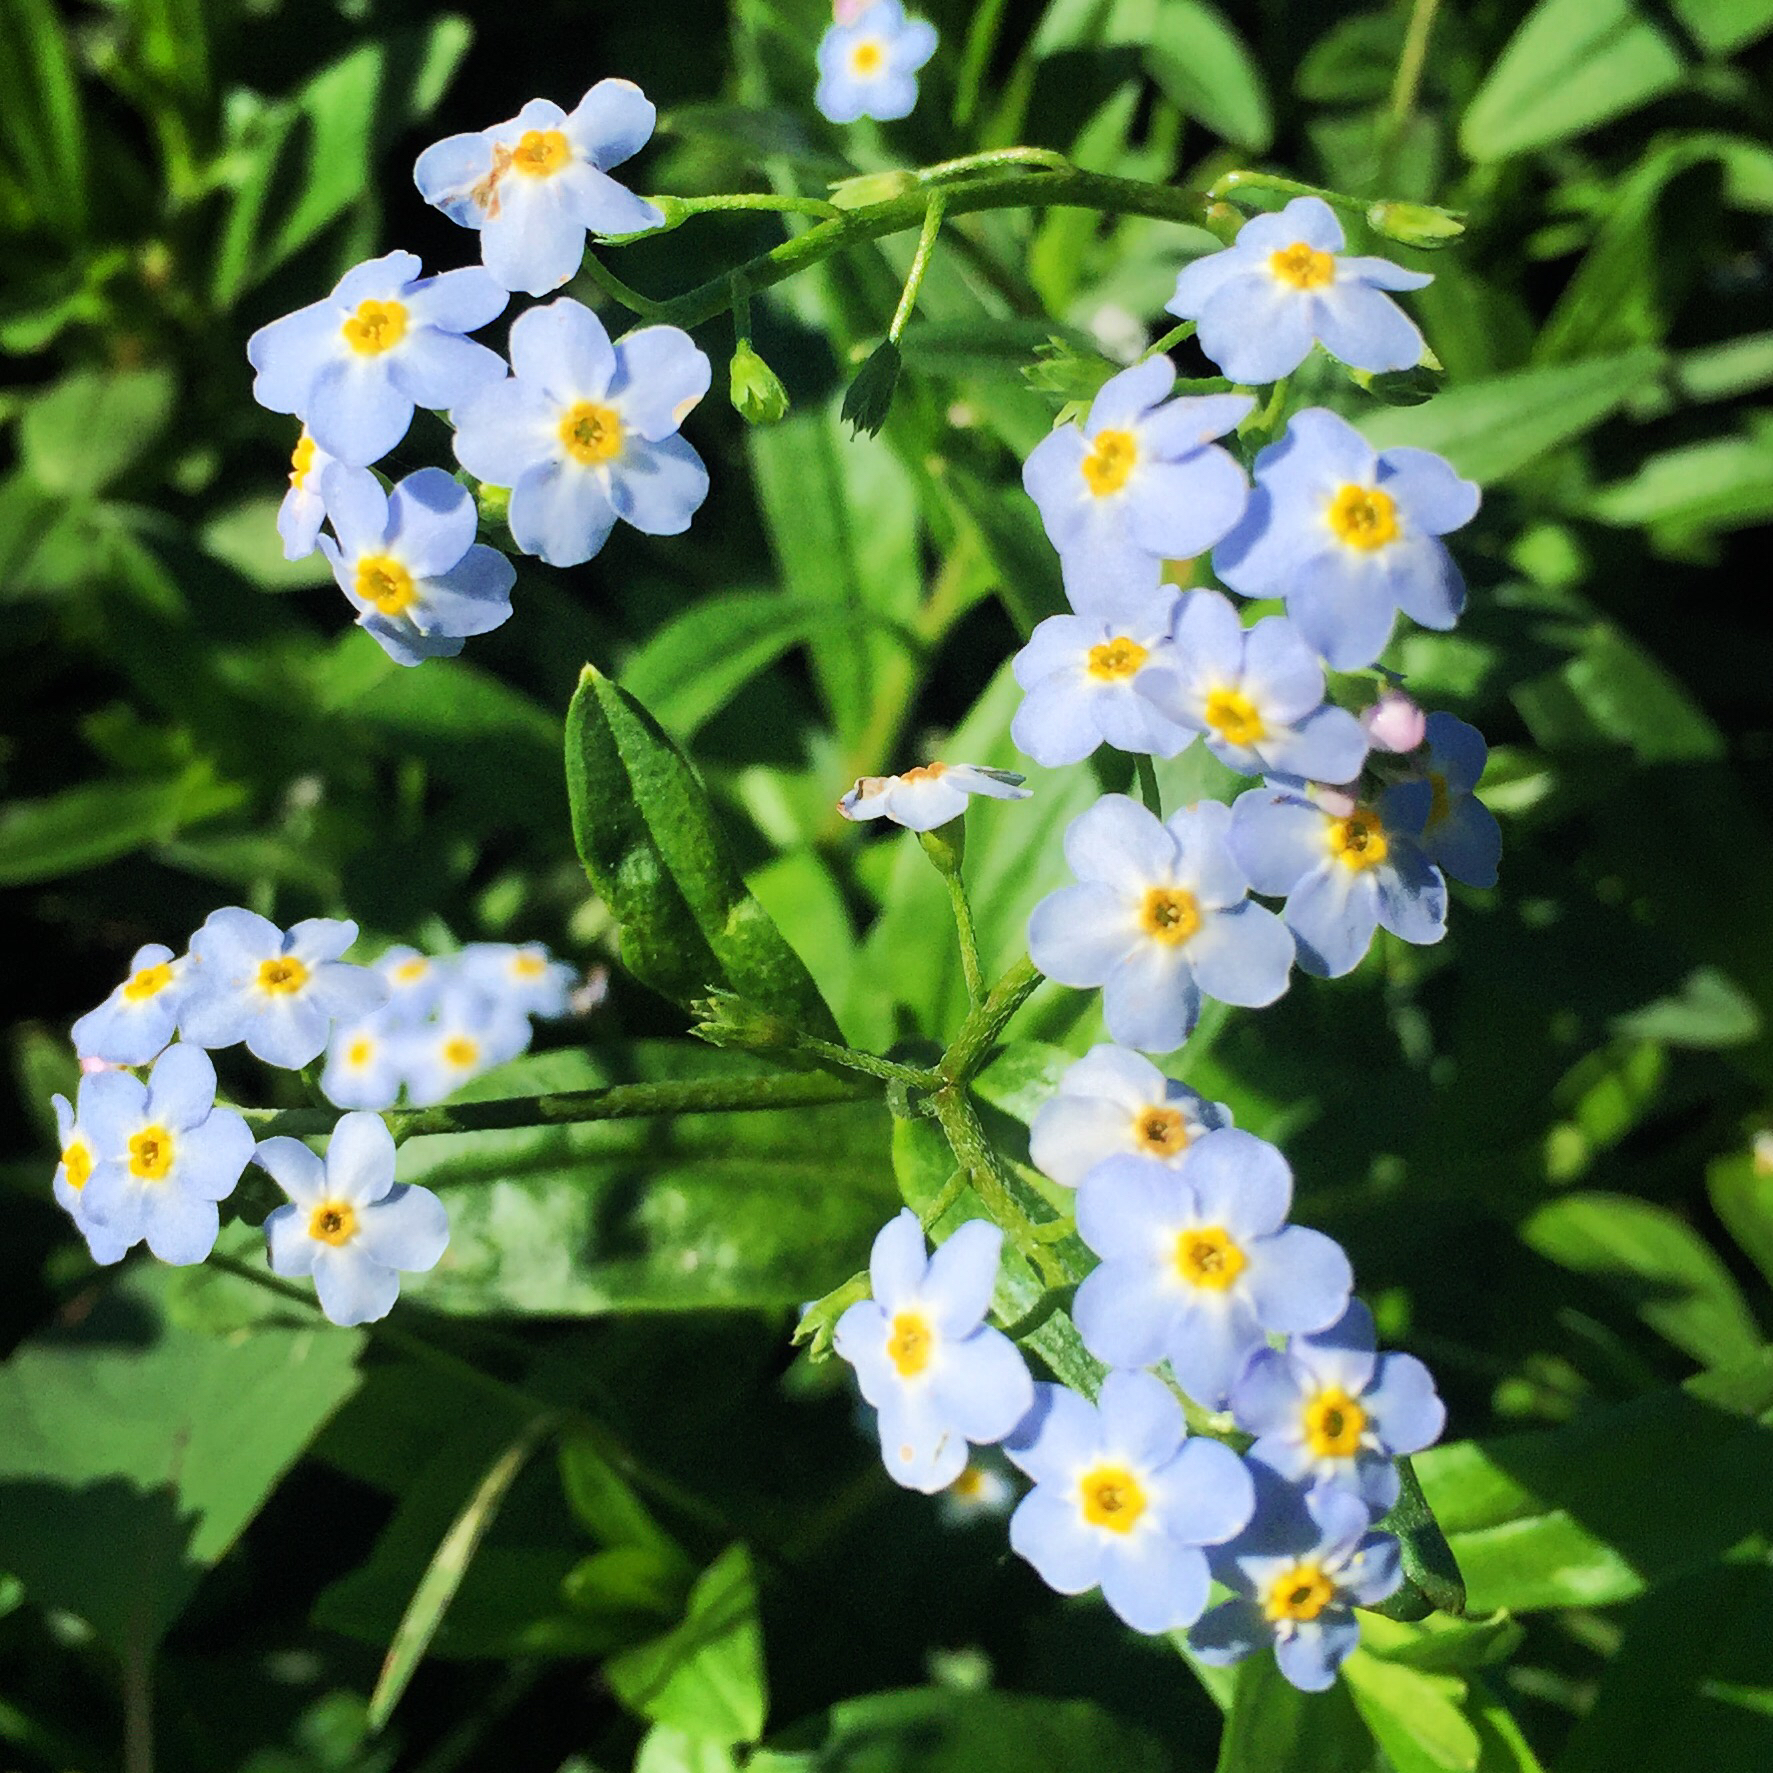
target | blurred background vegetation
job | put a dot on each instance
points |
(1536, 1139)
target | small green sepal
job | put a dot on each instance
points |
(870, 395)
(724, 1019)
(1421, 225)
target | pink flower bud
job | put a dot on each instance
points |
(1338, 802)
(1394, 722)
(846, 12)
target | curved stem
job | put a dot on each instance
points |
(704, 1095)
(1410, 63)
(978, 1033)
(920, 263)
(1008, 178)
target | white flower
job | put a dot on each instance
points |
(928, 796)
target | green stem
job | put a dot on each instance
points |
(978, 1033)
(972, 1151)
(680, 209)
(945, 1197)
(705, 1095)
(1149, 791)
(975, 59)
(1008, 178)
(869, 1064)
(1174, 336)
(741, 310)
(1267, 416)
(1410, 63)
(1244, 180)
(920, 263)
(969, 938)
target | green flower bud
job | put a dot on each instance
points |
(870, 395)
(1060, 368)
(1420, 225)
(755, 389)
(494, 505)
(724, 1019)
(872, 187)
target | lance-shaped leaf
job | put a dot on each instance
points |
(656, 854)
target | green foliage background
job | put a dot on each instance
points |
(1535, 1139)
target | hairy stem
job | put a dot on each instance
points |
(920, 263)
(968, 1050)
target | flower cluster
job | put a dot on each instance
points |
(578, 429)
(1201, 1288)
(150, 1159)
(447, 1018)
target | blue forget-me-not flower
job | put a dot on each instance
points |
(166, 1155)
(365, 1062)
(353, 366)
(1257, 694)
(137, 1020)
(1349, 535)
(1199, 1262)
(932, 794)
(79, 1158)
(303, 510)
(348, 1223)
(1083, 676)
(1456, 831)
(280, 992)
(1328, 1408)
(533, 186)
(586, 432)
(468, 1033)
(1345, 867)
(1115, 1101)
(1140, 481)
(1284, 285)
(1160, 917)
(936, 1373)
(1301, 1566)
(1124, 1501)
(522, 975)
(868, 65)
(409, 564)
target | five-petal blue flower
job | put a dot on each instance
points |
(868, 65)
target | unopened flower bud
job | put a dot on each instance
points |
(727, 1020)
(755, 389)
(872, 187)
(494, 505)
(1394, 723)
(1421, 225)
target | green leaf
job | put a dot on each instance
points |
(651, 845)
(705, 1676)
(1205, 69)
(944, 1730)
(1274, 1728)
(42, 118)
(133, 1453)
(1415, 1716)
(665, 1750)
(698, 1212)
(688, 671)
(1698, 489)
(1572, 64)
(1741, 1190)
(1724, 26)
(89, 429)
(1494, 428)
(1621, 1498)
(85, 827)
(443, 1576)
(1658, 1263)
(1353, 62)
(1709, 1011)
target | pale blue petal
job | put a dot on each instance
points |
(1333, 912)
(1130, 1205)
(1209, 1343)
(289, 353)
(919, 1449)
(1049, 1532)
(658, 487)
(535, 240)
(1311, 1655)
(1071, 1134)
(1059, 1434)
(1098, 581)
(1209, 868)
(1080, 934)
(1142, 1421)
(1467, 843)
(356, 413)
(1126, 1314)
(360, 1159)
(1056, 723)
(983, 1386)
(599, 203)
(112, 1106)
(1256, 329)
(1130, 723)
(1182, 426)
(1328, 745)
(1129, 394)
(1412, 894)
(912, 46)
(1240, 1182)
(564, 350)
(406, 1229)
(1269, 1399)
(1210, 641)
(1298, 1279)
(1183, 508)
(1365, 329)
(861, 1338)
(438, 370)
(1403, 1405)
(1208, 1495)
(1278, 838)
(1242, 955)
(1426, 581)
(1120, 843)
(1381, 274)
(455, 302)
(1345, 608)
(1233, 1630)
(357, 508)
(351, 1286)
(1052, 476)
(388, 278)
(1428, 490)
(287, 1243)
(290, 1033)
(1343, 1355)
(212, 1156)
(1308, 221)
(1281, 673)
(561, 514)
(431, 523)
(661, 376)
(295, 1169)
(897, 1262)
(1153, 1583)
(961, 1275)
(1375, 1570)
(180, 1228)
(447, 172)
(473, 597)
(507, 431)
(611, 123)
(1202, 279)
(1150, 999)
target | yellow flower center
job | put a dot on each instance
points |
(360, 1052)
(1364, 517)
(540, 153)
(1334, 1423)
(77, 1162)
(150, 1153)
(1440, 802)
(1169, 914)
(1116, 658)
(375, 327)
(592, 433)
(969, 1486)
(460, 1051)
(1112, 1497)
(526, 963)
(911, 1344)
(1300, 1594)
(383, 582)
(1233, 716)
(1110, 461)
(333, 1223)
(1159, 1130)
(301, 459)
(410, 972)
(149, 982)
(1207, 1257)
(1302, 266)
(1359, 841)
(283, 976)
(867, 58)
